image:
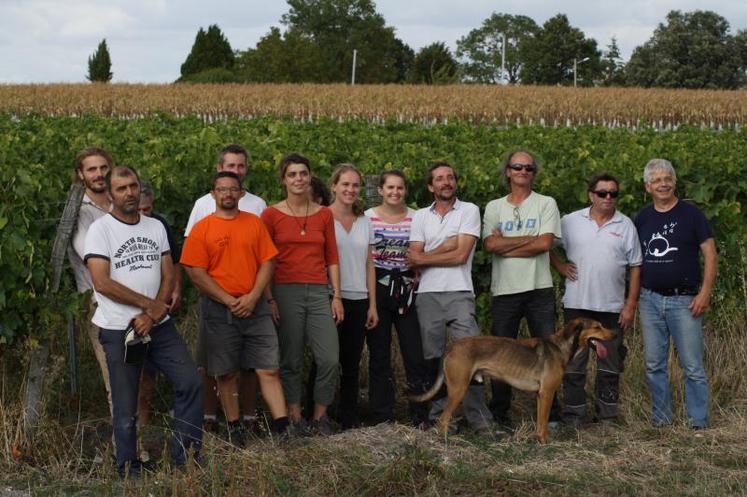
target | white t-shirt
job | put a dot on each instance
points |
(536, 215)
(432, 229)
(205, 205)
(134, 252)
(353, 249)
(602, 255)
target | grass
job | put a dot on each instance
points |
(71, 453)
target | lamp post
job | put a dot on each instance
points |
(575, 68)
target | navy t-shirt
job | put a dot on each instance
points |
(670, 242)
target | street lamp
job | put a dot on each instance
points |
(575, 67)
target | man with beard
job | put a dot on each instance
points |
(230, 258)
(231, 158)
(519, 230)
(442, 244)
(91, 166)
(133, 275)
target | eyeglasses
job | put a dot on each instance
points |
(605, 193)
(530, 168)
(226, 189)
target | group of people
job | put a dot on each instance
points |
(276, 279)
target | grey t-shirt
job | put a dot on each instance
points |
(353, 248)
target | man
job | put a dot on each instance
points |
(128, 257)
(519, 230)
(442, 245)
(232, 158)
(150, 373)
(91, 166)
(601, 245)
(674, 298)
(230, 258)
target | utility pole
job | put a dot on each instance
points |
(503, 59)
(355, 56)
(575, 68)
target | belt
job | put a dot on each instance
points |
(680, 290)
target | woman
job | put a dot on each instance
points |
(395, 303)
(304, 233)
(358, 278)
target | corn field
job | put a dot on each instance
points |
(517, 105)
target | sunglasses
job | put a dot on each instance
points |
(530, 168)
(605, 193)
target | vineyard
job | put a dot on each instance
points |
(178, 154)
(520, 105)
(171, 135)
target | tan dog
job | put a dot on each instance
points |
(533, 364)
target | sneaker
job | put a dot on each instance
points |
(492, 431)
(136, 467)
(322, 426)
(210, 425)
(236, 433)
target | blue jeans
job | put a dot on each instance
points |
(168, 353)
(662, 317)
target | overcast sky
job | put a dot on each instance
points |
(50, 40)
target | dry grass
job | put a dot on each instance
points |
(429, 104)
(630, 459)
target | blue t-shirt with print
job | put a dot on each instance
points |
(670, 242)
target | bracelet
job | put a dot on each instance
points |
(338, 297)
(270, 300)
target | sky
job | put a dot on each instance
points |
(49, 41)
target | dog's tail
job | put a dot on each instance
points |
(430, 393)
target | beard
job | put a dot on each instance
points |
(96, 186)
(228, 203)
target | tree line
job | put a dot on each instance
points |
(687, 50)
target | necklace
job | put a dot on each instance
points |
(305, 219)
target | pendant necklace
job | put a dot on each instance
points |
(305, 219)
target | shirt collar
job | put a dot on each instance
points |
(616, 217)
(456, 206)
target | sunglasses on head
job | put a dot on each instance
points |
(530, 168)
(605, 193)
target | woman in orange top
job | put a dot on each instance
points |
(307, 262)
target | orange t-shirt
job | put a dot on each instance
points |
(302, 258)
(231, 250)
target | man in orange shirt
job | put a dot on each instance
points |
(230, 258)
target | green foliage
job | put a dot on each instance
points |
(178, 155)
(434, 65)
(692, 50)
(548, 56)
(481, 49)
(210, 50)
(214, 75)
(100, 64)
(288, 58)
(336, 27)
(613, 67)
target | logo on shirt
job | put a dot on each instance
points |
(136, 253)
(658, 245)
(517, 225)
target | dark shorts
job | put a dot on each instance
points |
(233, 343)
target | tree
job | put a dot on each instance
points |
(210, 50)
(434, 64)
(613, 67)
(480, 51)
(692, 50)
(337, 27)
(100, 64)
(278, 58)
(549, 55)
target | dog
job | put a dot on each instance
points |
(532, 364)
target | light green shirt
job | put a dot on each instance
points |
(536, 215)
